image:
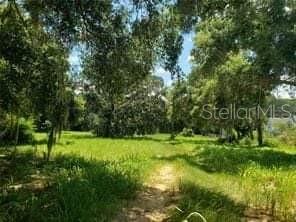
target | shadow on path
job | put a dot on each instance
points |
(157, 199)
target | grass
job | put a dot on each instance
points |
(65, 189)
(90, 179)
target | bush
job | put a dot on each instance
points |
(187, 132)
(25, 132)
(286, 132)
(247, 141)
(288, 137)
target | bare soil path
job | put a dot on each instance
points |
(156, 200)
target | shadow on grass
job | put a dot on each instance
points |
(41, 141)
(212, 205)
(232, 159)
(68, 188)
(176, 141)
(79, 136)
(135, 138)
(198, 141)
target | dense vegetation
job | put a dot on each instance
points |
(242, 52)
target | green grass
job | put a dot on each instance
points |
(90, 179)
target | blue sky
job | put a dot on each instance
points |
(184, 62)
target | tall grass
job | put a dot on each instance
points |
(273, 190)
(91, 179)
(80, 190)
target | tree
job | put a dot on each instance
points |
(141, 110)
(76, 112)
(17, 55)
(48, 89)
(228, 108)
(113, 66)
(33, 68)
(262, 29)
(180, 107)
(144, 109)
(126, 54)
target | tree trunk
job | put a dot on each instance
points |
(173, 131)
(259, 114)
(11, 126)
(259, 133)
(97, 131)
(238, 135)
(17, 132)
(59, 133)
(50, 142)
(109, 130)
(251, 133)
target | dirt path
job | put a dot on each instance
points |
(157, 199)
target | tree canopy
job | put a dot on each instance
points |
(243, 50)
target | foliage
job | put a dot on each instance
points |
(187, 132)
(283, 130)
(144, 109)
(16, 56)
(180, 107)
(243, 50)
(120, 51)
(34, 70)
(99, 189)
(26, 131)
(76, 112)
(222, 41)
(141, 110)
(212, 98)
(288, 136)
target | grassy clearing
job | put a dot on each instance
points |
(90, 179)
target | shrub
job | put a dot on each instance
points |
(288, 137)
(247, 141)
(187, 132)
(25, 132)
